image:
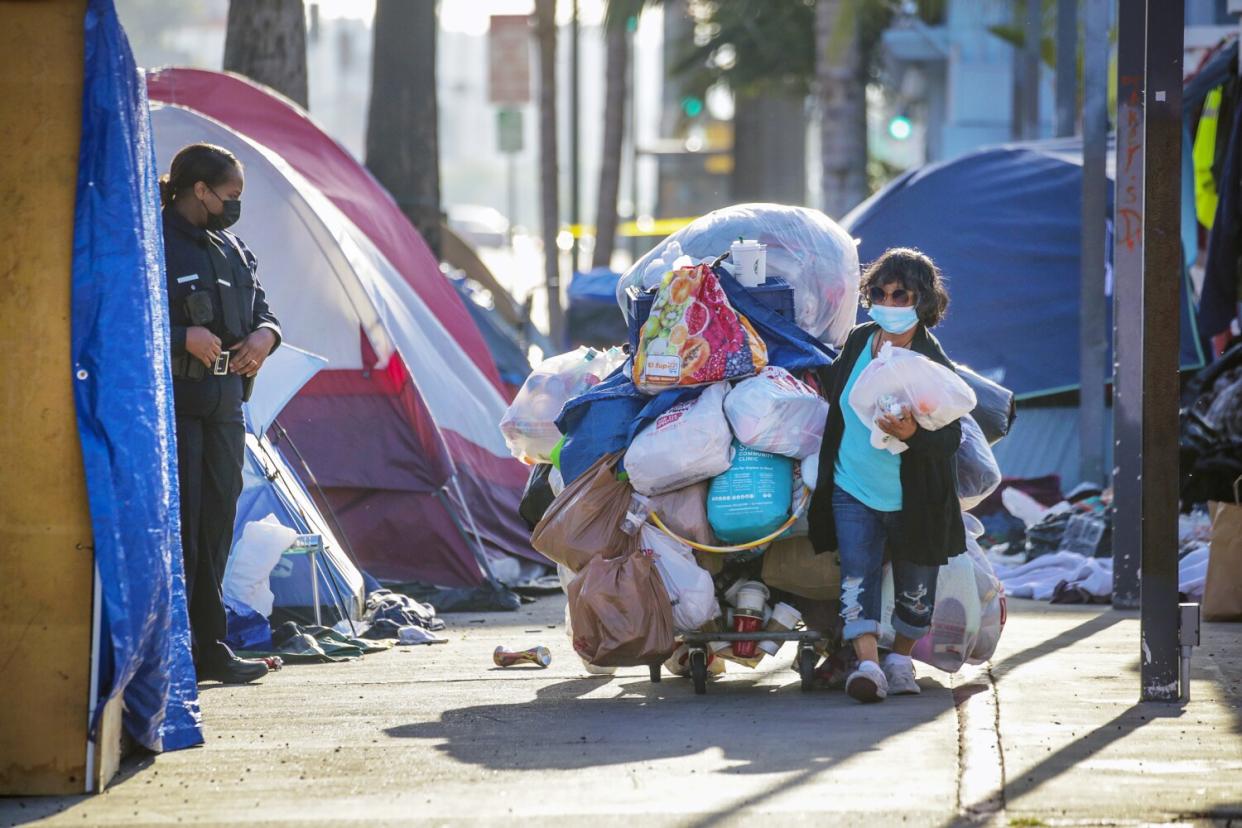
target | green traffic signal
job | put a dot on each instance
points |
(900, 128)
(692, 106)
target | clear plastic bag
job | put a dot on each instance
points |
(978, 473)
(690, 587)
(777, 413)
(688, 443)
(807, 249)
(935, 395)
(529, 424)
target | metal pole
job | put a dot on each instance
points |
(1093, 311)
(1128, 305)
(1030, 69)
(511, 192)
(1162, 264)
(313, 554)
(1067, 66)
(575, 184)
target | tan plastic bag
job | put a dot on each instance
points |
(585, 519)
(685, 512)
(1222, 590)
(792, 565)
(620, 612)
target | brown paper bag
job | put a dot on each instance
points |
(792, 565)
(620, 612)
(1222, 590)
(585, 519)
(685, 512)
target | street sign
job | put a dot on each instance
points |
(508, 59)
(509, 130)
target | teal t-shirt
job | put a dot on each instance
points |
(870, 474)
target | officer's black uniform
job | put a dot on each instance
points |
(211, 282)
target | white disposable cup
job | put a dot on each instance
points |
(750, 259)
(752, 597)
(784, 618)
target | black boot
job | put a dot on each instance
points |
(227, 668)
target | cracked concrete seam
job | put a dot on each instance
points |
(981, 760)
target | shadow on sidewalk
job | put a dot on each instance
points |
(1070, 637)
(759, 728)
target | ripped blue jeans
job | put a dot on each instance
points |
(861, 533)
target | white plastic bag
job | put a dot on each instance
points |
(688, 443)
(969, 612)
(935, 395)
(247, 576)
(689, 586)
(978, 473)
(529, 424)
(807, 249)
(776, 412)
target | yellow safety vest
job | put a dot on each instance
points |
(1204, 154)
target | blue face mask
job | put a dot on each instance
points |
(894, 320)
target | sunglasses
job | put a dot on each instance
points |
(900, 296)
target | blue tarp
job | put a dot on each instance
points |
(1003, 224)
(606, 418)
(597, 286)
(123, 396)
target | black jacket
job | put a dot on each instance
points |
(930, 529)
(217, 263)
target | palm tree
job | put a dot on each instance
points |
(266, 41)
(402, 147)
(545, 25)
(616, 80)
(840, 83)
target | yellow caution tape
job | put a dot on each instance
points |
(634, 229)
(741, 547)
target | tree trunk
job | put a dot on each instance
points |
(266, 42)
(402, 147)
(769, 149)
(545, 23)
(617, 72)
(843, 106)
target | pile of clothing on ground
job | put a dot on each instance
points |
(671, 477)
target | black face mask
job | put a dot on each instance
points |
(232, 212)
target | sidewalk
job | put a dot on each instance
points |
(1051, 734)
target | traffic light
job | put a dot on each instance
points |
(692, 106)
(899, 127)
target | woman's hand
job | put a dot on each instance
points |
(202, 344)
(248, 355)
(901, 426)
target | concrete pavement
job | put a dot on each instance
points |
(1049, 733)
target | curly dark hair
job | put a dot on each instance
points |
(914, 271)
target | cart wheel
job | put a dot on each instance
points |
(655, 673)
(698, 671)
(806, 667)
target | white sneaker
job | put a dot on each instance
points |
(867, 684)
(899, 670)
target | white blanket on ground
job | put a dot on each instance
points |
(1038, 579)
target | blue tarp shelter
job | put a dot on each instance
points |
(1003, 224)
(123, 395)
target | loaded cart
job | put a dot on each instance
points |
(698, 643)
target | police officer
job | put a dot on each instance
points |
(221, 331)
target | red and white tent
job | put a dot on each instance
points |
(400, 430)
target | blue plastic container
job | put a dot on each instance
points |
(752, 499)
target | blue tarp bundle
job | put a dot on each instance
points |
(606, 418)
(1004, 225)
(124, 401)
